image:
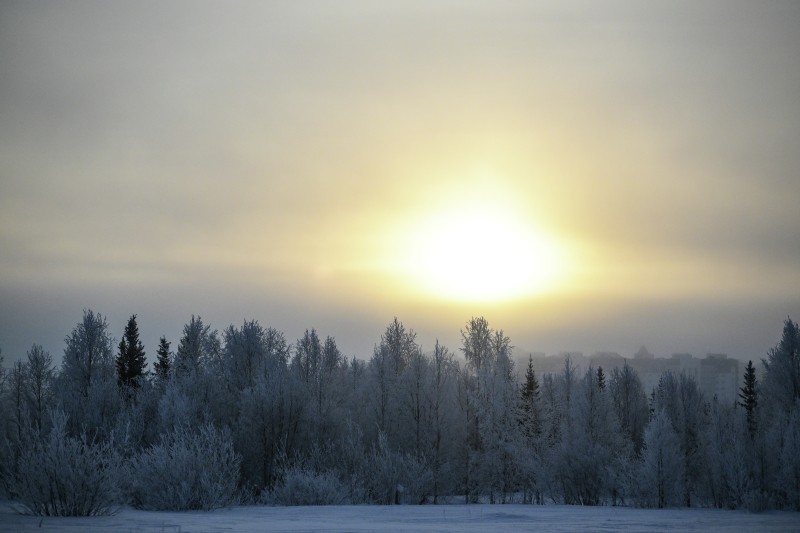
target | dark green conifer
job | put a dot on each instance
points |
(131, 359)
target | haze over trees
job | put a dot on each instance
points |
(247, 416)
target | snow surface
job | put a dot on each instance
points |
(443, 518)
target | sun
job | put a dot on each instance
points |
(481, 253)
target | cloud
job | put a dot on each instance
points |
(276, 146)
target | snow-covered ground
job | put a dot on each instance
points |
(444, 518)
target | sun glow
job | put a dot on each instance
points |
(481, 253)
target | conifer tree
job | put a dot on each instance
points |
(781, 382)
(131, 357)
(601, 378)
(529, 408)
(162, 364)
(748, 395)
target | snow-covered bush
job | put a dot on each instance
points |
(303, 486)
(186, 470)
(395, 477)
(59, 475)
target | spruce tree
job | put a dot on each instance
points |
(748, 395)
(131, 357)
(529, 400)
(601, 378)
(162, 364)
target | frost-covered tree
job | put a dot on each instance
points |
(331, 391)
(189, 469)
(199, 390)
(320, 368)
(414, 408)
(271, 414)
(17, 396)
(630, 405)
(308, 356)
(390, 357)
(487, 387)
(788, 481)
(781, 384)
(660, 475)
(244, 354)
(445, 431)
(39, 390)
(500, 438)
(2, 373)
(591, 460)
(138, 423)
(530, 420)
(730, 478)
(683, 403)
(62, 475)
(131, 359)
(395, 477)
(199, 347)
(476, 339)
(87, 387)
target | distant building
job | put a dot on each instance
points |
(720, 377)
(716, 374)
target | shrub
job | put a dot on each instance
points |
(301, 486)
(59, 475)
(186, 471)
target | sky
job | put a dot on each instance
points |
(587, 176)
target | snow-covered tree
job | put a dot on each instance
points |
(62, 475)
(17, 401)
(199, 347)
(308, 357)
(397, 347)
(271, 413)
(244, 354)
(591, 459)
(476, 339)
(630, 405)
(683, 403)
(781, 384)
(445, 430)
(331, 392)
(87, 387)
(730, 478)
(530, 420)
(788, 481)
(320, 369)
(395, 477)
(414, 408)
(660, 475)
(500, 439)
(189, 469)
(39, 389)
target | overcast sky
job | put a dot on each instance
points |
(290, 162)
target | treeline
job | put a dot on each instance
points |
(246, 416)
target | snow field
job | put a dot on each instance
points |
(386, 519)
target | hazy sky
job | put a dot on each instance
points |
(588, 176)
